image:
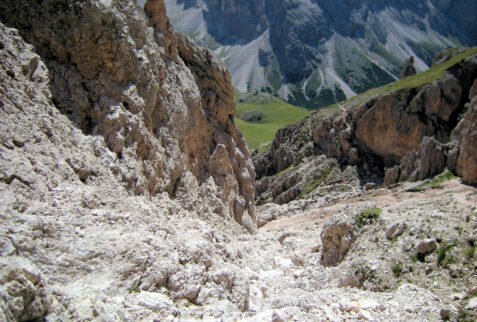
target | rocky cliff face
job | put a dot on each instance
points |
(163, 106)
(315, 53)
(118, 152)
(411, 134)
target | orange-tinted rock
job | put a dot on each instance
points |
(389, 130)
(467, 159)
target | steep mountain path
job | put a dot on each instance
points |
(377, 278)
(464, 195)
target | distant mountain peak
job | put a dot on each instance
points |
(315, 52)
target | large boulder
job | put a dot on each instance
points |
(23, 291)
(337, 237)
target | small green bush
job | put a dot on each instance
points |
(397, 269)
(470, 253)
(442, 252)
(367, 217)
(434, 183)
(322, 177)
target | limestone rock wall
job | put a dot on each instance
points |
(123, 178)
(162, 105)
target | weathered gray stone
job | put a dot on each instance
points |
(426, 246)
(23, 291)
(337, 238)
(395, 230)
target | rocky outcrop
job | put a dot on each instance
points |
(456, 153)
(411, 134)
(396, 124)
(466, 166)
(162, 105)
(121, 169)
(408, 68)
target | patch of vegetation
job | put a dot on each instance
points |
(357, 70)
(431, 74)
(237, 94)
(465, 317)
(470, 253)
(397, 270)
(367, 217)
(276, 114)
(316, 183)
(389, 57)
(291, 167)
(252, 116)
(434, 183)
(313, 84)
(426, 50)
(442, 253)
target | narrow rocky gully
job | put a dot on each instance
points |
(372, 270)
(127, 192)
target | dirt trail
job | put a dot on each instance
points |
(383, 198)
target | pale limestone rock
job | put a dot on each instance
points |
(154, 301)
(365, 315)
(369, 305)
(472, 305)
(23, 290)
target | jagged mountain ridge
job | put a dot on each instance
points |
(314, 52)
(400, 132)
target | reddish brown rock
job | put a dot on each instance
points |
(389, 130)
(467, 159)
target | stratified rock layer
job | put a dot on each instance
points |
(412, 134)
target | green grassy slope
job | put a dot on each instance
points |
(414, 81)
(277, 114)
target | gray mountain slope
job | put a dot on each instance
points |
(316, 52)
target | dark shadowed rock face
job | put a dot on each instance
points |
(408, 68)
(227, 29)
